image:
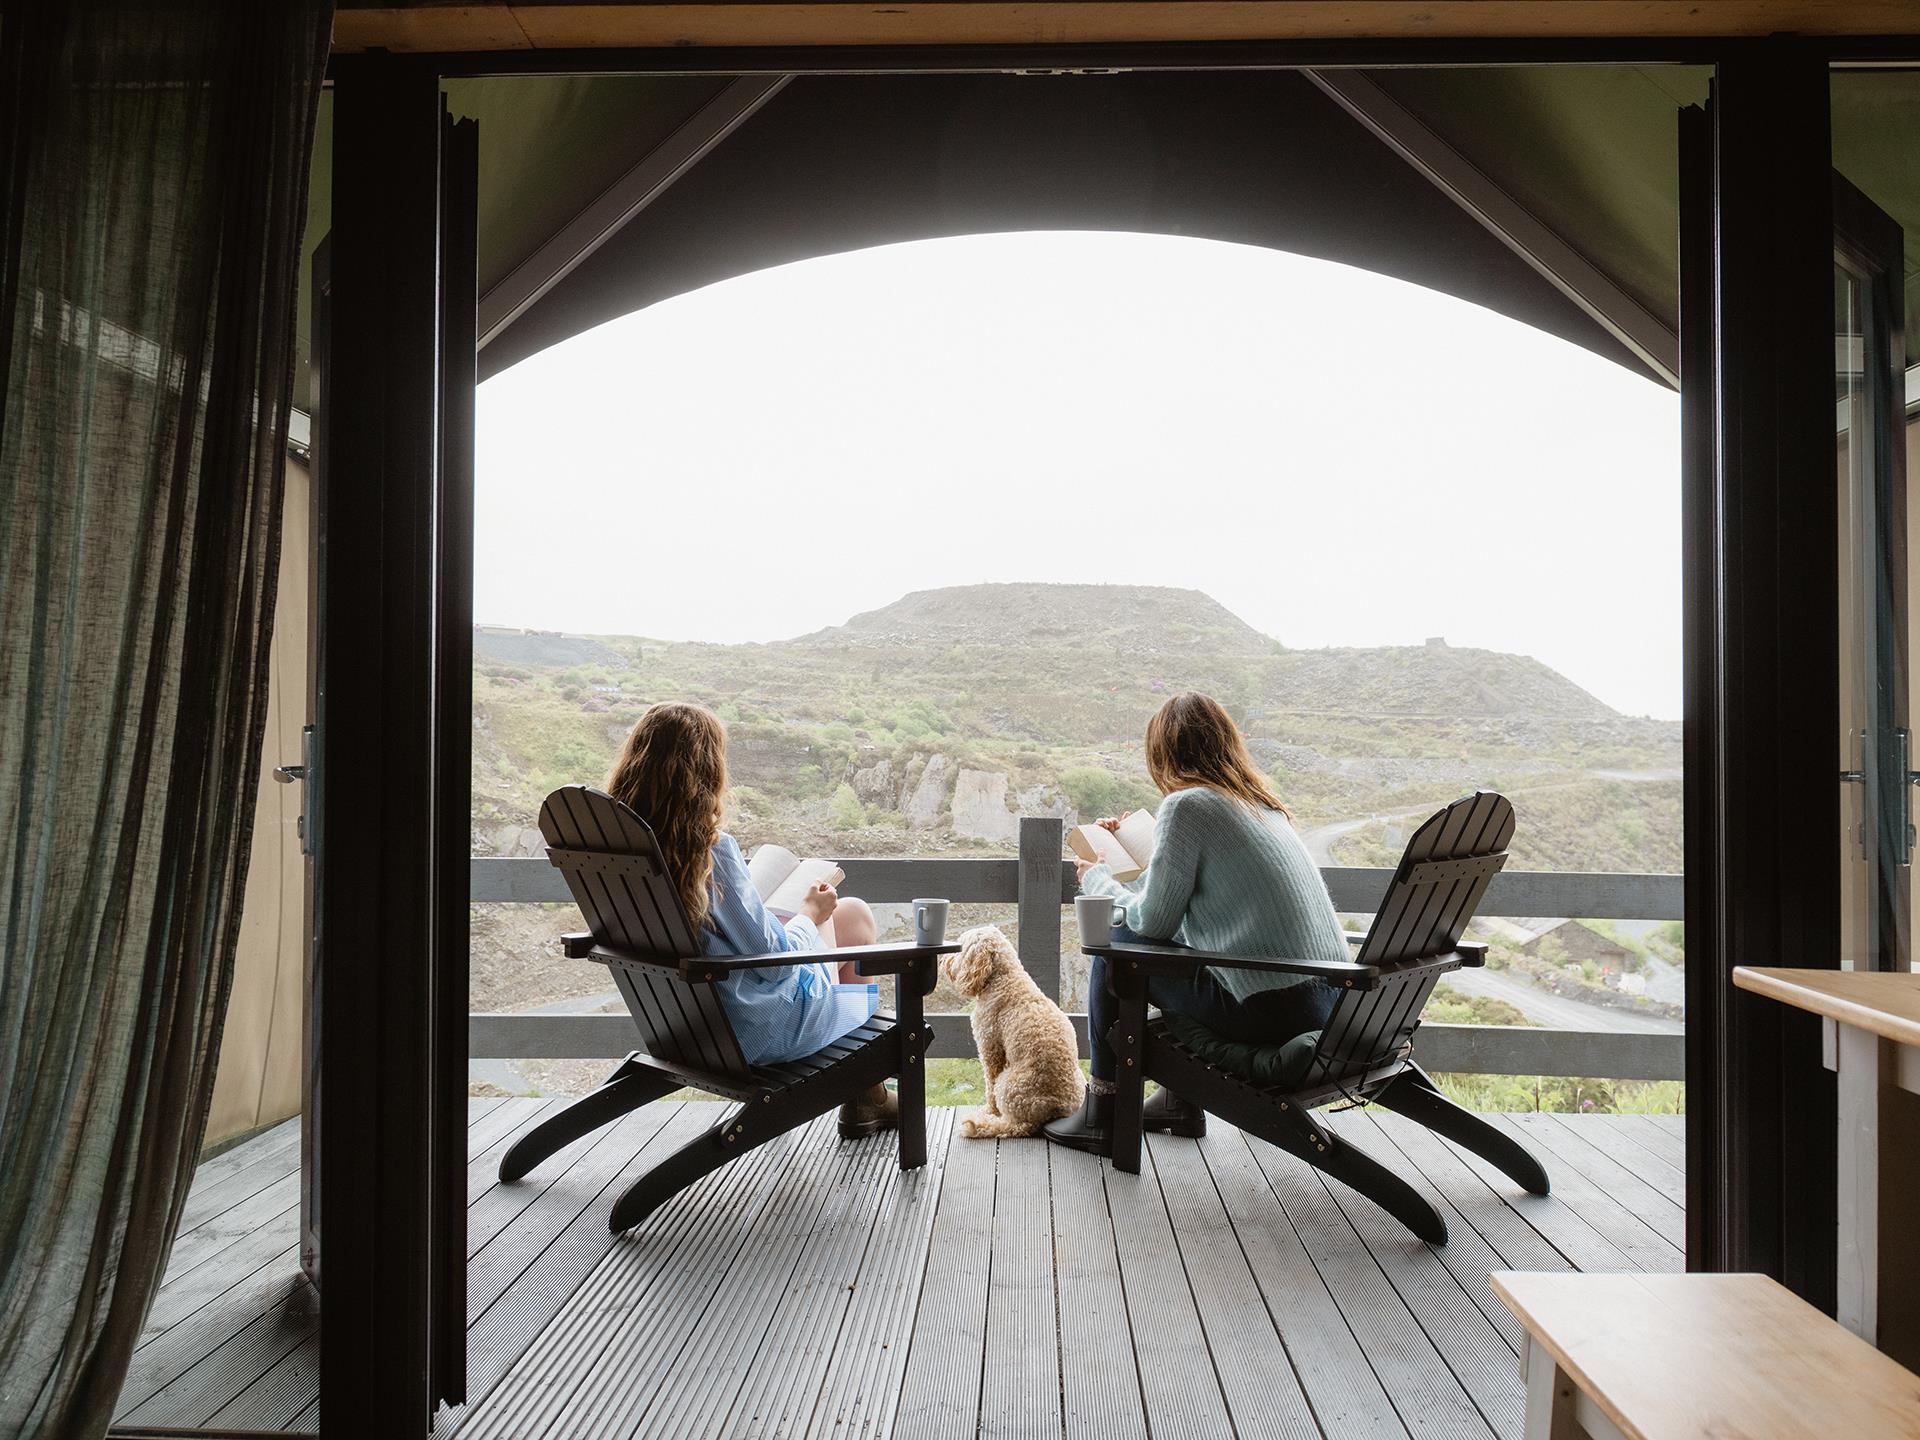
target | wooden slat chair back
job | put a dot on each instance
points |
(1435, 891)
(1365, 1051)
(613, 866)
(638, 929)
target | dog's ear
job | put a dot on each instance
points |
(972, 968)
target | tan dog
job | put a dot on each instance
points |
(1025, 1041)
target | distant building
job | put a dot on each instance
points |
(1578, 942)
(1436, 642)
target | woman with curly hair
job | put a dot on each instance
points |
(672, 772)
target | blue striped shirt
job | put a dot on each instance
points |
(779, 1012)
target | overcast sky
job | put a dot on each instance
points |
(1337, 457)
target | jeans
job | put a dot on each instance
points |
(1279, 1016)
(1199, 997)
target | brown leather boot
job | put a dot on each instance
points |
(877, 1110)
(1166, 1111)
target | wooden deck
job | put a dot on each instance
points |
(1009, 1290)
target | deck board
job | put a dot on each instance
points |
(1430, 1400)
(1006, 1289)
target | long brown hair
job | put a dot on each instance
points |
(1191, 740)
(672, 770)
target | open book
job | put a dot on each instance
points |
(1128, 850)
(783, 879)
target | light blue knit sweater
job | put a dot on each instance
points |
(1231, 879)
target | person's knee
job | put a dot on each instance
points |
(853, 922)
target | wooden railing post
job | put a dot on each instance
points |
(1041, 839)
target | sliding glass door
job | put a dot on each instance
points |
(1875, 742)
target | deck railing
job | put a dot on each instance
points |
(1040, 884)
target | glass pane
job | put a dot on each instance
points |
(1859, 856)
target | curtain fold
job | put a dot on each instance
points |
(153, 165)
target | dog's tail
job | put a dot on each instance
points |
(982, 1126)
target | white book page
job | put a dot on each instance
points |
(1116, 849)
(784, 899)
(768, 867)
(1136, 836)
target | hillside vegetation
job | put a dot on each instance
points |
(929, 725)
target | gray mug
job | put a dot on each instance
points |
(1095, 917)
(930, 922)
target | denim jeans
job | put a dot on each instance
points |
(1277, 1017)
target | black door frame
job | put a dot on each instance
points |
(1762, 638)
(1763, 813)
(377, 743)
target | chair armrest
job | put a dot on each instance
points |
(1178, 959)
(1472, 953)
(873, 959)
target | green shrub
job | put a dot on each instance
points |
(1095, 792)
(848, 812)
(1564, 1094)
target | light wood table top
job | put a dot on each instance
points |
(1885, 1002)
(1684, 1357)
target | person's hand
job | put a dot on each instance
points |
(819, 902)
(1107, 822)
(1080, 868)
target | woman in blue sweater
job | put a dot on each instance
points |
(1228, 875)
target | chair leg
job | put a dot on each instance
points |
(1359, 1171)
(699, 1157)
(748, 1126)
(1128, 1041)
(913, 1067)
(1414, 1095)
(1298, 1133)
(627, 1089)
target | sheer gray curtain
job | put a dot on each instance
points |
(153, 162)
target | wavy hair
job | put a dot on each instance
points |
(1191, 740)
(672, 771)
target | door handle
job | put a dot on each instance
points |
(287, 774)
(1904, 783)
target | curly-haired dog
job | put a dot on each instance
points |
(1025, 1041)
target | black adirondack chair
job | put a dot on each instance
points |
(638, 930)
(1365, 1052)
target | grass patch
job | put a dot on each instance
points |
(1565, 1095)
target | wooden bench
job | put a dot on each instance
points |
(1687, 1357)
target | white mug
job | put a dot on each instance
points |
(929, 922)
(1094, 914)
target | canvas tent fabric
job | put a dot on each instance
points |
(147, 315)
(836, 163)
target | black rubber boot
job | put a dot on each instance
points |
(1089, 1128)
(1166, 1111)
(877, 1110)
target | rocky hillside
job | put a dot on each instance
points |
(933, 723)
(1433, 679)
(1130, 620)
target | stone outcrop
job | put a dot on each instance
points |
(927, 800)
(1047, 800)
(980, 806)
(875, 785)
(518, 840)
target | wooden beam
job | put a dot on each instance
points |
(1589, 896)
(1556, 259)
(609, 211)
(1468, 1049)
(420, 26)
